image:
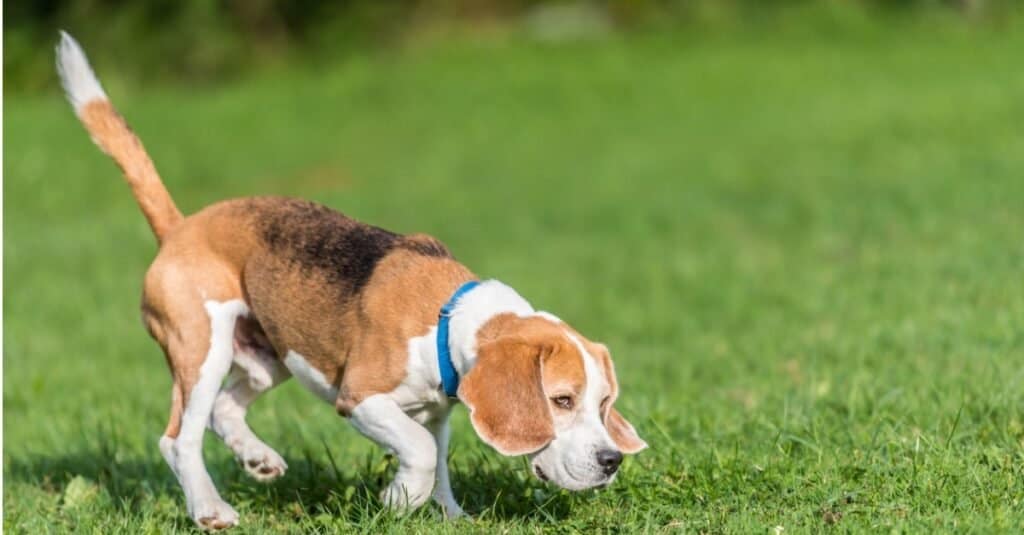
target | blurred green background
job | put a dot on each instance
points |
(798, 225)
(204, 41)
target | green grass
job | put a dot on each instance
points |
(806, 253)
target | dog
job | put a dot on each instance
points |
(388, 328)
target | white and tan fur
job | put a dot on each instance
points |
(254, 291)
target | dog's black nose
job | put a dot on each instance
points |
(609, 460)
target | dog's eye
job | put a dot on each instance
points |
(563, 402)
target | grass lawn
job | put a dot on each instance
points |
(806, 254)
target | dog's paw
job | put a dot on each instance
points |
(454, 512)
(262, 463)
(449, 506)
(401, 496)
(214, 515)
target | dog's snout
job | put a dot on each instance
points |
(609, 460)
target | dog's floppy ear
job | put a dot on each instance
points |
(505, 396)
(622, 432)
(619, 429)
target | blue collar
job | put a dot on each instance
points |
(449, 377)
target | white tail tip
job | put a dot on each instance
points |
(80, 83)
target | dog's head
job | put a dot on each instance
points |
(542, 389)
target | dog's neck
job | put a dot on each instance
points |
(474, 310)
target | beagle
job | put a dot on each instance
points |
(388, 328)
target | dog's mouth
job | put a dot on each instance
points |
(540, 473)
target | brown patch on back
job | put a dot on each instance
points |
(520, 361)
(318, 241)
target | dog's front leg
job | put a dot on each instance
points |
(443, 491)
(381, 420)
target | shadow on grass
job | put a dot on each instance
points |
(491, 489)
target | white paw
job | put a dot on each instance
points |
(402, 495)
(213, 515)
(448, 504)
(453, 511)
(262, 462)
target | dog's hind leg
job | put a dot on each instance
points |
(255, 371)
(200, 355)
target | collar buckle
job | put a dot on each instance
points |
(449, 376)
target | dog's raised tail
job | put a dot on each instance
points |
(111, 133)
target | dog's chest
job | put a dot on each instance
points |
(419, 394)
